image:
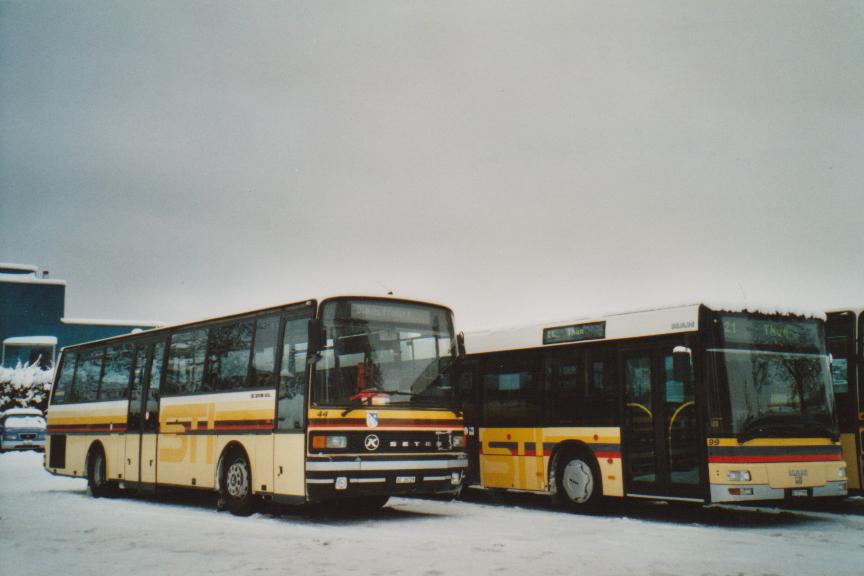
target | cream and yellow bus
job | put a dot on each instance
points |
(350, 398)
(693, 403)
(845, 343)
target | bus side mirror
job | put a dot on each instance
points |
(682, 364)
(460, 344)
(317, 335)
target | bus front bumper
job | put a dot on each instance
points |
(753, 492)
(333, 478)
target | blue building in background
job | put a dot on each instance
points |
(33, 326)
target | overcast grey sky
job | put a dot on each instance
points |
(519, 161)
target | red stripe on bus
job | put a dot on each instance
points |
(607, 454)
(67, 430)
(777, 458)
(243, 426)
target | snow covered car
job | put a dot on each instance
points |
(22, 429)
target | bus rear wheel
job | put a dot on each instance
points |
(577, 482)
(236, 484)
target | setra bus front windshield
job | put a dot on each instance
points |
(770, 376)
(384, 353)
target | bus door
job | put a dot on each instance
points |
(662, 450)
(142, 426)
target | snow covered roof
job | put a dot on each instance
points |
(27, 279)
(767, 309)
(174, 326)
(856, 310)
(31, 341)
(102, 322)
(632, 324)
(5, 266)
(22, 412)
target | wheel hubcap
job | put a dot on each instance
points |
(578, 481)
(237, 479)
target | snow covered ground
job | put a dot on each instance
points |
(49, 525)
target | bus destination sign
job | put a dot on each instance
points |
(783, 332)
(574, 333)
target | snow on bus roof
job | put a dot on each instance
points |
(31, 340)
(627, 324)
(768, 310)
(176, 325)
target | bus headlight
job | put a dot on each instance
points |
(458, 441)
(738, 475)
(335, 442)
(841, 472)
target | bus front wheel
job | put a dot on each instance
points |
(97, 478)
(577, 482)
(236, 485)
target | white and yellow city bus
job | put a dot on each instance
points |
(846, 346)
(350, 398)
(688, 403)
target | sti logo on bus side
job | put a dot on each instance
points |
(683, 325)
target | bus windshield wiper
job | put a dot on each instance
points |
(359, 400)
(374, 391)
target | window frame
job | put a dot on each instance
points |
(85, 351)
(305, 312)
(252, 320)
(129, 347)
(59, 374)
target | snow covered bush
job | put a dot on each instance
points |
(25, 386)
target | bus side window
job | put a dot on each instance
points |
(604, 390)
(155, 382)
(229, 352)
(840, 332)
(186, 355)
(86, 388)
(115, 377)
(140, 369)
(264, 354)
(513, 390)
(860, 359)
(62, 392)
(566, 387)
(292, 373)
(467, 394)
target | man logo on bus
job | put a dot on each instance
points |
(372, 419)
(371, 442)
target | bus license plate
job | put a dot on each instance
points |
(799, 493)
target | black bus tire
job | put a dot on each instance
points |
(236, 484)
(97, 477)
